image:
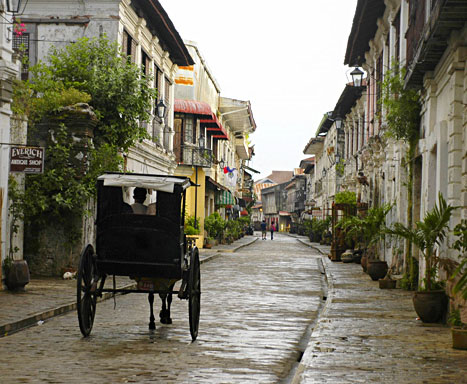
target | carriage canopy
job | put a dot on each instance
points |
(160, 183)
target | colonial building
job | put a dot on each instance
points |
(8, 71)
(308, 166)
(429, 40)
(296, 195)
(211, 142)
(144, 31)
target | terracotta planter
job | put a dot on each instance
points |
(377, 269)
(459, 338)
(430, 305)
(18, 275)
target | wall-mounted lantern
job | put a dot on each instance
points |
(161, 109)
(201, 142)
(357, 77)
(338, 121)
(13, 6)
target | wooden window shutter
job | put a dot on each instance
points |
(125, 44)
(167, 91)
(133, 51)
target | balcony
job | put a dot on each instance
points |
(195, 156)
(427, 41)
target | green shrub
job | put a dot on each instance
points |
(346, 197)
(214, 224)
(190, 227)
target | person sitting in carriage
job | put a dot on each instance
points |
(138, 207)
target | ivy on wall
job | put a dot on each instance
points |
(402, 114)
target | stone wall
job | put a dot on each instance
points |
(47, 247)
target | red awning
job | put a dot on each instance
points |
(201, 108)
(214, 125)
(194, 107)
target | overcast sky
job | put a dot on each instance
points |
(286, 57)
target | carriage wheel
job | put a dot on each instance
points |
(86, 290)
(194, 294)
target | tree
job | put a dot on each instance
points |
(91, 71)
(119, 92)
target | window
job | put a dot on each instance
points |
(167, 85)
(157, 80)
(190, 130)
(397, 26)
(379, 79)
(21, 45)
(129, 47)
(145, 62)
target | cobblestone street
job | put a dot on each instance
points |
(257, 309)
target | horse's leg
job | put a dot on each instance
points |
(152, 324)
(166, 302)
(169, 303)
(163, 312)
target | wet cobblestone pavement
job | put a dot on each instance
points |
(257, 306)
(369, 335)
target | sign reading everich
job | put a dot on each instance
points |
(27, 159)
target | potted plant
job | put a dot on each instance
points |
(368, 230)
(458, 327)
(214, 225)
(458, 330)
(460, 273)
(430, 301)
(16, 273)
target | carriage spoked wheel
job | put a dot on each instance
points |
(194, 293)
(87, 290)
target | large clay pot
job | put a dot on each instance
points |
(459, 338)
(430, 305)
(377, 269)
(18, 275)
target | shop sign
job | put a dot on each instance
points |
(27, 159)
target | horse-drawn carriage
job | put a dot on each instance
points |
(149, 248)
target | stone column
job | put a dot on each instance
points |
(456, 143)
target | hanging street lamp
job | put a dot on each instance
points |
(161, 109)
(357, 77)
(13, 6)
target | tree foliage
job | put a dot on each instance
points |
(402, 106)
(89, 71)
(119, 92)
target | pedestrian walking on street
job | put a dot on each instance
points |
(263, 230)
(273, 228)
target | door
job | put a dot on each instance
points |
(178, 139)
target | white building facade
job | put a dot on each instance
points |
(145, 33)
(8, 71)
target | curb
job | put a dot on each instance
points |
(40, 317)
(308, 353)
(311, 246)
(37, 318)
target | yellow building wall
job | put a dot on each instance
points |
(190, 201)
